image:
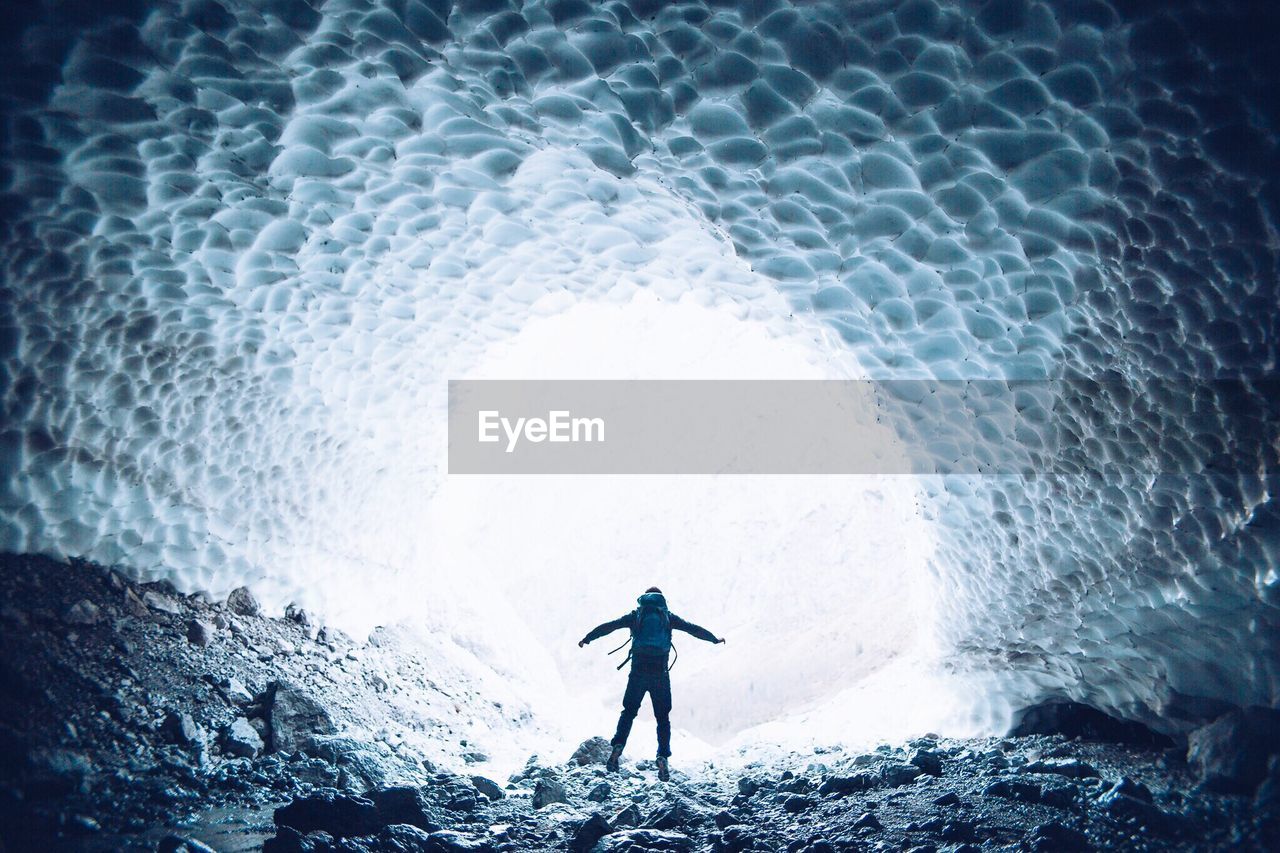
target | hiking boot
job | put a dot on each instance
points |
(614, 758)
(664, 771)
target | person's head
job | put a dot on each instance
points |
(653, 589)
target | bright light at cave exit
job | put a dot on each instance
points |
(820, 584)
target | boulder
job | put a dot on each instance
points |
(237, 692)
(179, 727)
(588, 832)
(362, 765)
(599, 792)
(549, 791)
(295, 716)
(950, 798)
(679, 813)
(1231, 753)
(895, 775)
(242, 602)
(797, 803)
(592, 751)
(241, 740)
(489, 788)
(868, 821)
(1138, 811)
(1063, 796)
(1013, 789)
(340, 815)
(735, 839)
(199, 632)
(410, 838)
(161, 602)
(844, 785)
(403, 805)
(1072, 768)
(454, 793)
(644, 839)
(928, 761)
(1055, 837)
(629, 816)
(83, 612)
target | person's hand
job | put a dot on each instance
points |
(720, 641)
(581, 643)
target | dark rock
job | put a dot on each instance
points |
(242, 602)
(950, 798)
(630, 816)
(798, 785)
(455, 793)
(403, 805)
(288, 840)
(1073, 719)
(735, 839)
(295, 716)
(241, 740)
(592, 751)
(954, 831)
(676, 814)
(1060, 796)
(1054, 836)
(1231, 753)
(489, 788)
(363, 765)
(748, 786)
(549, 791)
(1072, 768)
(411, 839)
(200, 632)
(843, 785)
(1136, 809)
(928, 761)
(178, 727)
(797, 803)
(643, 839)
(340, 815)
(1013, 789)
(896, 775)
(868, 821)
(725, 819)
(588, 832)
(178, 844)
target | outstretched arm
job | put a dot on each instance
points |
(696, 630)
(607, 628)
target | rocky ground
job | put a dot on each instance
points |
(135, 718)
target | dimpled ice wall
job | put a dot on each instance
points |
(245, 240)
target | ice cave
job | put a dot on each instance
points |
(246, 244)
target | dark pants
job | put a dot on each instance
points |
(647, 676)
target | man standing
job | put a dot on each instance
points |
(651, 624)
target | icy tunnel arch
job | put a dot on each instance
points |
(231, 225)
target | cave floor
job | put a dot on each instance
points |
(134, 718)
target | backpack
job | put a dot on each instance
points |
(651, 626)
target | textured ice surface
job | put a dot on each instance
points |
(243, 242)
